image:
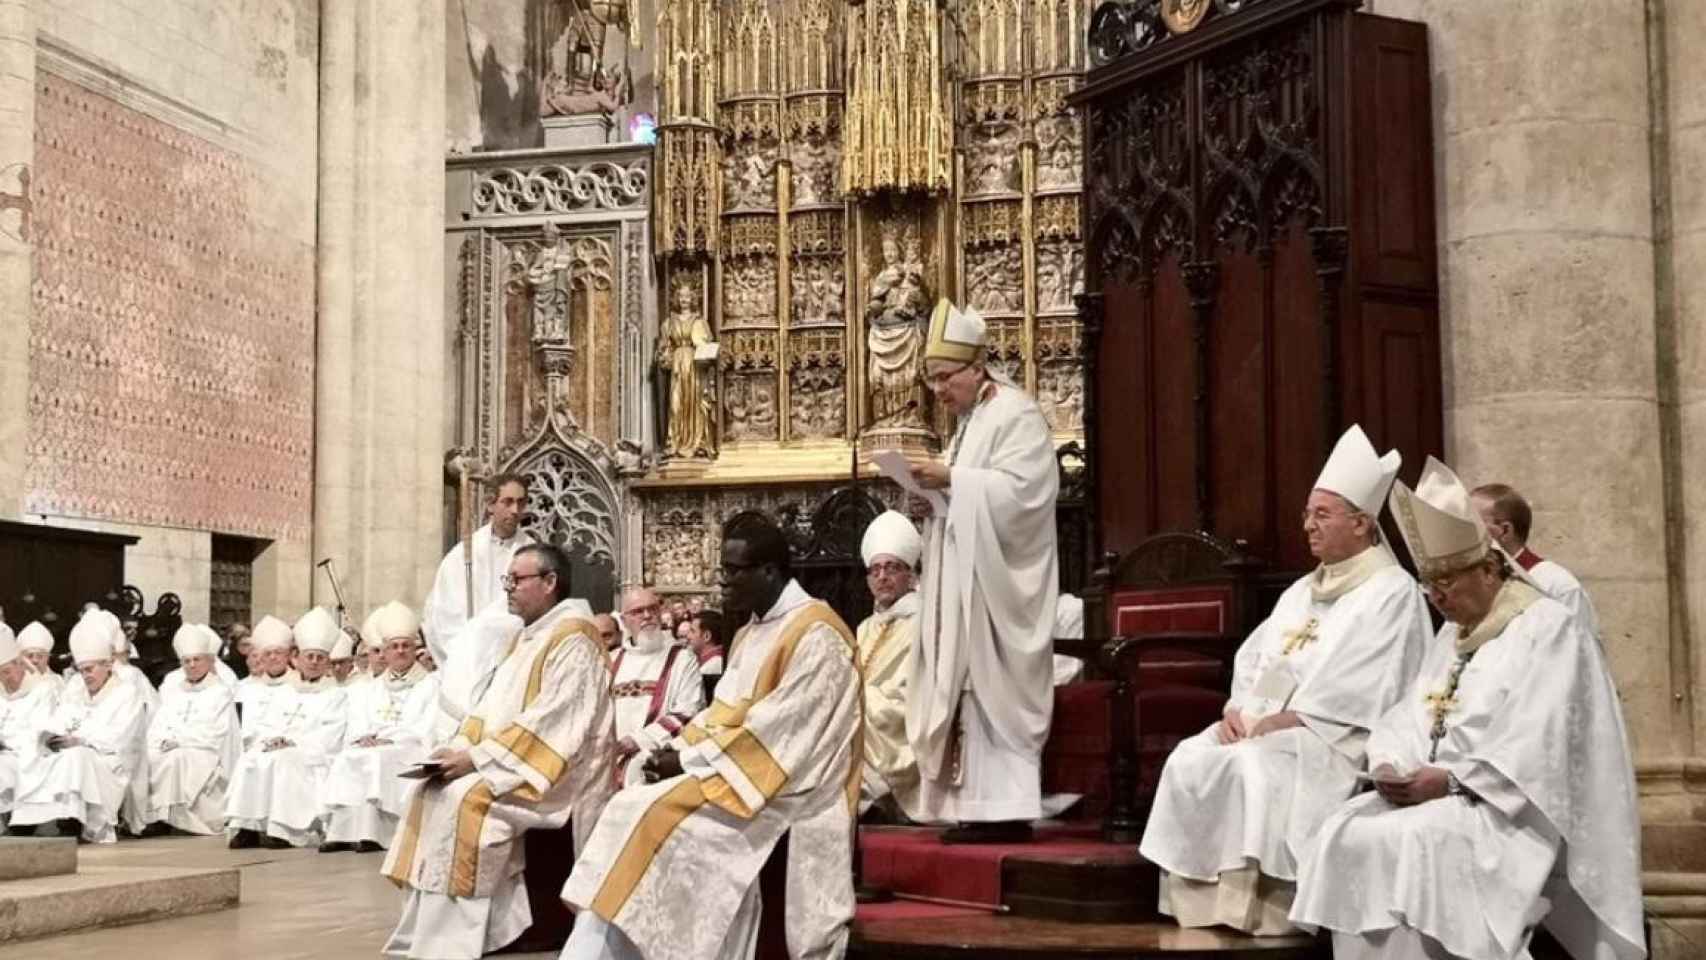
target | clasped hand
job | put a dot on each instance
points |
(1233, 729)
(1427, 783)
(662, 765)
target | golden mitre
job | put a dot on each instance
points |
(1439, 524)
(955, 334)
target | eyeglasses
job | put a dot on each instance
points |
(649, 610)
(509, 580)
(941, 377)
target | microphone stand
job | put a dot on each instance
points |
(337, 591)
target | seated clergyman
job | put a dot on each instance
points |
(534, 750)
(89, 749)
(654, 680)
(194, 740)
(274, 799)
(890, 548)
(1237, 802)
(390, 729)
(1504, 795)
(26, 703)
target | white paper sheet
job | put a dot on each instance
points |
(894, 465)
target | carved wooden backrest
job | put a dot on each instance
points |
(1177, 583)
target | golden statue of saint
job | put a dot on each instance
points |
(683, 332)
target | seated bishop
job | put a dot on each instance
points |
(36, 645)
(344, 659)
(390, 730)
(535, 751)
(1236, 803)
(655, 681)
(274, 800)
(671, 871)
(271, 646)
(89, 749)
(134, 812)
(1504, 795)
(194, 740)
(890, 549)
(26, 702)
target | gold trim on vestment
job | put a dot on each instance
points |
(473, 729)
(568, 628)
(410, 842)
(532, 751)
(470, 821)
(747, 752)
(653, 829)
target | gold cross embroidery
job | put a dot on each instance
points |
(390, 713)
(1441, 703)
(1302, 636)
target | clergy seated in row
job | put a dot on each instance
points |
(535, 751)
(27, 700)
(1508, 519)
(702, 631)
(671, 870)
(288, 743)
(271, 674)
(134, 811)
(890, 548)
(193, 742)
(1504, 794)
(469, 583)
(1237, 803)
(221, 671)
(654, 681)
(343, 658)
(80, 769)
(35, 643)
(980, 693)
(390, 730)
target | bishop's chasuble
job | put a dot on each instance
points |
(1341, 646)
(188, 780)
(24, 713)
(86, 782)
(885, 645)
(277, 792)
(673, 866)
(362, 794)
(541, 737)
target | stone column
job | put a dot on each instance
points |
(17, 160)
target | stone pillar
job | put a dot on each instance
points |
(17, 160)
(379, 418)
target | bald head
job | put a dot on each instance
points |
(608, 633)
(640, 608)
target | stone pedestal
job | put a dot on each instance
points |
(17, 157)
(579, 130)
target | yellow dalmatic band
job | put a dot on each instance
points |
(470, 821)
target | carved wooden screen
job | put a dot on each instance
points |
(1262, 269)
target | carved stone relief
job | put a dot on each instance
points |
(817, 164)
(819, 287)
(562, 188)
(992, 159)
(749, 407)
(749, 292)
(1059, 152)
(1060, 275)
(897, 319)
(749, 179)
(995, 279)
(817, 397)
(1060, 376)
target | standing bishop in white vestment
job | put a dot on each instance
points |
(274, 798)
(448, 605)
(1504, 794)
(91, 746)
(654, 682)
(980, 693)
(671, 873)
(390, 729)
(194, 740)
(26, 702)
(535, 750)
(891, 548)
(270, 645)
(1508, 519)
(36, 644)
(1237, 803)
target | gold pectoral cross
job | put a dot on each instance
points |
(1441, 703)
(389, 714)
(1302, 636)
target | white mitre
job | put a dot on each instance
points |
(392, 621)
(90, 641)
(892, 534)
(344, 649)
(316, 630)
(117, 642)
(191, 640)
(213, 642)
(271, 634)
(34, 636)
(1354, 471)
(955, 334)
(1439, 524)
(9, 649)
(370, 631)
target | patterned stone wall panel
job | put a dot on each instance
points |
(171, 345)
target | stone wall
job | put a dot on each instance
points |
(163, 388)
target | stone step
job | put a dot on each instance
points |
(23, 858)
(100, 896)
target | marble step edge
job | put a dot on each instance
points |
(25, 858)
(107, 896)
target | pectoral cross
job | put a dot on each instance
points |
(1441, 703)
(389, 713)
(1302, 636)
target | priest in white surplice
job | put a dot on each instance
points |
(274, 799)
(194, 740)
(447, 607)
(1504, 794)
(1508, 519)
(1237, 803)
(536, 750)
(390, 729)
(980, 691)
(891, 548)
(654, 681)
(92, 746)
(26, 702)
(671, 872)
(36, 644)
(271, 645)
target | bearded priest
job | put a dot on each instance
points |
(194, 740)
(26, 703)
(275, 792)
(891, 548)
(90, 747)
(390, 729)
(1237, 803)
(654, 680)
(1504, 795)
(980, 689)
(534, 751)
